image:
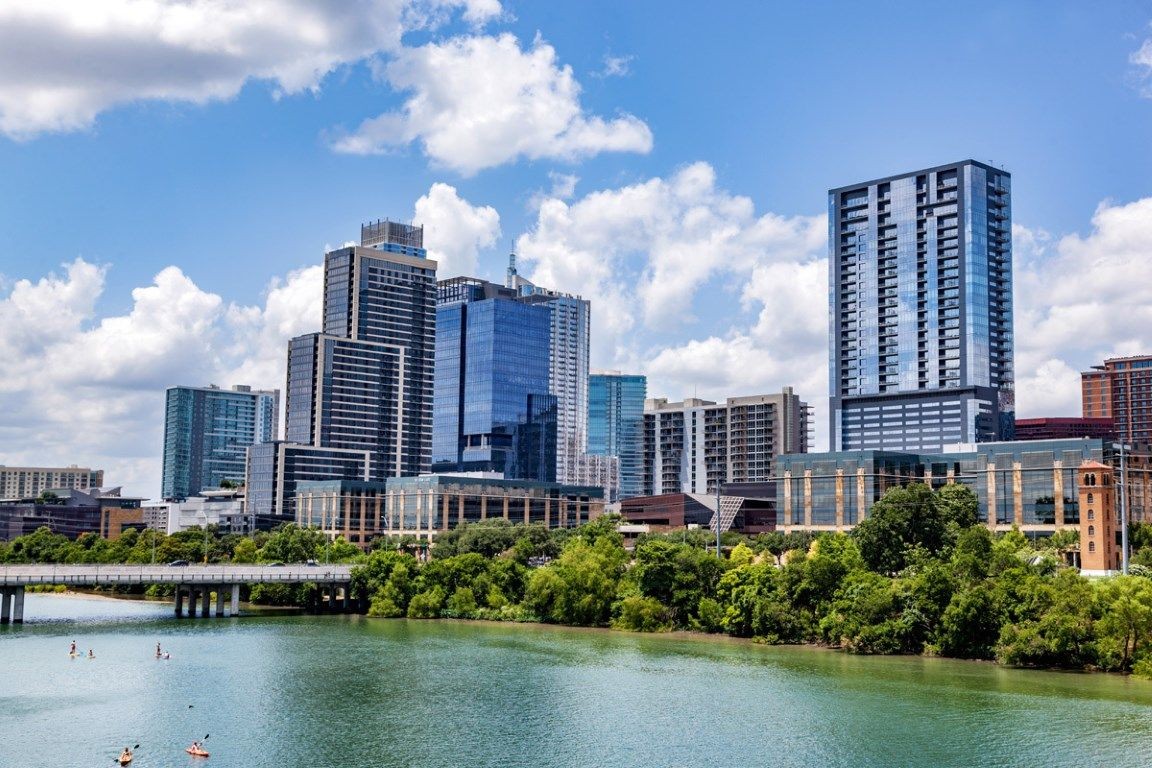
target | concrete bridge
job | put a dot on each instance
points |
(196, 582)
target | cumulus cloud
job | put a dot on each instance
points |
(455, 230)
(642, 251)
(648, 253)
(482, 101)
(63, 63)
(1064, 325)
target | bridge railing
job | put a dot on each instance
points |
(81, 575)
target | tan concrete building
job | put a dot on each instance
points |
(29, 482)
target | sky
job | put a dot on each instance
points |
(173, 172)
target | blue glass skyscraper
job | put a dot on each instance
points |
(920, 290)
(493, 408)
(616, 426)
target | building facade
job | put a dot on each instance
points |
(570, 338)
(1057, 428)
(1101, 548)
(1032, 485)
(207, 431)
(694, 445)
(359, 392)
(616, 427)
(29, 482)
(494, 408)
(1120, 389)
(920, 289)
(430, 504)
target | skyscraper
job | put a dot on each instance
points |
(365, 382)
(363, 386)
(571, 334)
(920, 288)
(494, 410)
(206, 432)
(616, 427)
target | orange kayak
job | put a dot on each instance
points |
(196, 752)
(125, 759)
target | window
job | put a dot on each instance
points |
(1091, 515)
(1091, 530)
(1091, 546)
(1090, 499)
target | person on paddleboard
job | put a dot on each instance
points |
(158, 653)
(90, 654)
(73, 649)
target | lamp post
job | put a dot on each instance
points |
(205, 515)
(718, 518)
(1121, 446)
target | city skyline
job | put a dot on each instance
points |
(700, 242)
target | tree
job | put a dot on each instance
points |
(1125, 622)
(902, 519)
(970, 625)
(958, 505)
(676, 575)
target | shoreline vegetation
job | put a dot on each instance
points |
(919, 576)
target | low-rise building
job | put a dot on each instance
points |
(29, 482)
(1063, 427)
(425, 505)
(223, 508)
(71, 512)
(1031, 485)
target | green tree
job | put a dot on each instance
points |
(970, 625)
(1125, 621)
(901, 519)
(958, 505)
(580, 587)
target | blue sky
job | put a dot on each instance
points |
(668, 160)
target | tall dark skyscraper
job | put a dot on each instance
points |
(920, 287)
(364, 384)
(494, 409)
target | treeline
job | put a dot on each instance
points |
(918, 576)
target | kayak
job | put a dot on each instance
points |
(196, 752)
(124, 759)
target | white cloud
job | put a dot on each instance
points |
(62, 63)
(646, 253)
(646, 249)
(478, 102)
(1065, 324)
(455, 230)
(616, 66)
(1142, 59)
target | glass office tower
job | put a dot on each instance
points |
(494, 409)
(206, 432)
(920, 289)
(616, 426)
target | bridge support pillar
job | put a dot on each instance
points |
(220, 600)
(193, 595)
(179, 601)
(206, 603)
(332, 598)
(5, 601)
(235, 607)
(18, 606)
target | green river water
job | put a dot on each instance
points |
(350, 692)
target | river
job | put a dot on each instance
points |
(351, 692)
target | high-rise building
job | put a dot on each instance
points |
(29, 482)
(920, 278)
(691, 446)
(568, 374)
(1121, 390)
(494, 410)
(362, 387)
(616, 427)
(206, 432)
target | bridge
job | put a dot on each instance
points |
(196, 582)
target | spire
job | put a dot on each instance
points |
(510, 280)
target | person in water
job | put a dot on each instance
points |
(90, 654)
(167, 656)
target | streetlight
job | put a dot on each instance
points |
(204, 514)
(1123, 506)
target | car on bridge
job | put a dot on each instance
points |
(178, 564)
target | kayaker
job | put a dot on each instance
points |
(126, 755)
(196, 747)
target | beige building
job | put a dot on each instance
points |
(1100, 554)
(28, 482)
